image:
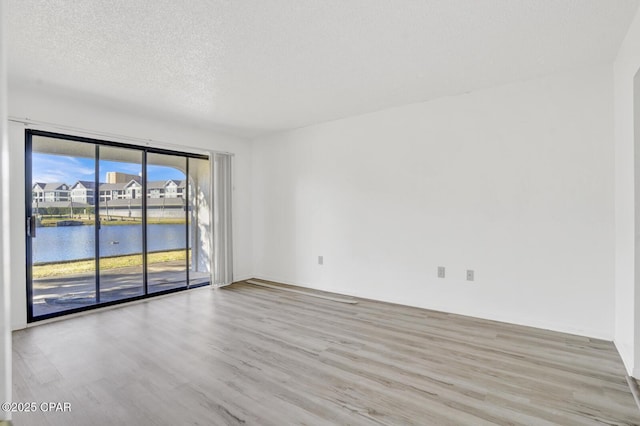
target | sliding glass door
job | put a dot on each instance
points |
(166, 222)
(199, 220)
(108, 222)
(120, 233)
(61, 226)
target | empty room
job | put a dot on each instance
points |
(319, 212)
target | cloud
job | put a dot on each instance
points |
(50, 168)
(57, 168)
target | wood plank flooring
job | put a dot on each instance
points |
(253, 355)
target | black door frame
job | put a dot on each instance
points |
(29, 223)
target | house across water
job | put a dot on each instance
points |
(165, 198)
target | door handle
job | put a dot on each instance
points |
(31, 226)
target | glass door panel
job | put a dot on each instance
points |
(120, 214)
(199, 219)
(62, 237)
(166, 222)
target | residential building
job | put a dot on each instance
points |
(166, 189)
(156, 189)
(119, 177)
(83, 192)
(50, 192)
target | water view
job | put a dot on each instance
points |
(54, 244)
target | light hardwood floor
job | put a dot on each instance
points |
(254, 355)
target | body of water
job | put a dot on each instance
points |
(62, 243)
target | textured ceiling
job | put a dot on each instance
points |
(256, 66)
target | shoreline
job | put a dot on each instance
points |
(76, 266)
(53, 223)
(90, 259)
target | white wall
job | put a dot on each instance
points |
(5, 297)
(42, 103)
(514, 182)
(627, 323)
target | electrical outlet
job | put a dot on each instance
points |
(320, 260)
(440, 271)
(469, 274)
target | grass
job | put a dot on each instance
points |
(83, 266)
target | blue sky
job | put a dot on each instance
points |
(49, 168)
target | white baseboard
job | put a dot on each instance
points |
(16, 327)
(627, 358)
(491, 316)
